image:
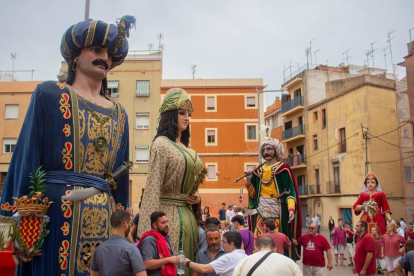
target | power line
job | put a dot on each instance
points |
(388, 142)
(389, 131)
(333, 145)
(390, 161)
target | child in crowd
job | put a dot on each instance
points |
(339, 241)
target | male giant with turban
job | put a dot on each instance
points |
(273, 195)
(79, 137)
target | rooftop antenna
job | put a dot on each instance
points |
(385, 56)
(307, 57)
(13, 57)
(150, 46)
(315, 56)
(372, 53)
(193, 69)
(347, 56)
(367, 53)
(160, 39)
(310, 49)
(389, 42)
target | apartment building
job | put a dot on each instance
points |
(14, 101)
(329, 178)
(224, 132)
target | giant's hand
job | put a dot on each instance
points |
(291, 216)
(10, 241)
(194, 198)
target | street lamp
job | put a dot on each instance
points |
(284, 92)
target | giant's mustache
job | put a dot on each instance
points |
(97, 62)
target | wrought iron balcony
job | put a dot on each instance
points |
(334, 187)
(314, 189)
(292, 104)
(303, 189)
(342, 147)
(292, 132)
(295, 160)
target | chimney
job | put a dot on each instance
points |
(410, 46)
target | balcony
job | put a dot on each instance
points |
(334, 187)
(296, 161)
(314, 189)
(292, 106)
(303, 189)
(293, 133)
(342, 147)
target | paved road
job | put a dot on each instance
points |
(337, 270)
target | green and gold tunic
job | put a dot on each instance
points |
(170, 177)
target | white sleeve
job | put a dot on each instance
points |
(238, 269)
(221, 265)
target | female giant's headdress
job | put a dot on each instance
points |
(98, 33)
(176, 99)
(370, 176)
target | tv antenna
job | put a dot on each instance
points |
(160, 39)
(193, 69)
(372, 53)
(13, 57)
(150, 46)
(310, 49)
(389, 45)
(347, 56)
(315, 57)
(385, 56)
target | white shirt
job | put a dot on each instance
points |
(400, 232)
(226, 263)
(403, 226)
(275, 264)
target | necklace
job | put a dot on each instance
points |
(194, 159)
(100, 141)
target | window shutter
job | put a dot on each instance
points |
(12, 111)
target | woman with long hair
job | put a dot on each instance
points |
(379, 250)
(172, 172)
(372, 204)
(392, 249)
(206, 213)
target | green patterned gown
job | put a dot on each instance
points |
(170, 176)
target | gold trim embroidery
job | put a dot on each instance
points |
(67, 155)
(73, 36)
(7, 207)
(91, 33)
(65, 228)
(66, 130)
(66, 206)
(63, 255)
(64, 105)
(106, 34)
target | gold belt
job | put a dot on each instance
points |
(174, 201)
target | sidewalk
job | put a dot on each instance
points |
(337, 270)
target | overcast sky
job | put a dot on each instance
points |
(224, 38)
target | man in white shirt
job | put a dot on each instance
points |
(403, 225)
(273, 264)
(224, 265)
(229, 215)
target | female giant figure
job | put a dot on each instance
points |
(375, 214)
(172, 171)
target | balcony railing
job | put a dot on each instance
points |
(295, 160)
(334, 187)
(342, 148)
(292, 132)
(303, 189)
(292, 104)
(314, 189)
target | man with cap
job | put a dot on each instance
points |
(79, 137)
(273, 195)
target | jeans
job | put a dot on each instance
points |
(319, 229)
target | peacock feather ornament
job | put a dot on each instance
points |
(125, 23)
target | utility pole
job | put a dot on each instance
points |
(13, 56)
(87, 6)
(365, 136)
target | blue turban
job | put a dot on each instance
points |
(98, 33)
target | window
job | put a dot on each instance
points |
(12, 111)
(323, 118)
(315, 142)
(142, 121)
(211, 137)
(249, 167)
(141, 154)
(336, 173)
(251, 132)
(250, 101)
(9, 145)
(318, 183)
(300, 120)
(112, 89)
(211, 103)
(342, 137)
(297, 92)
(315, 116)
(211, 171)
(143, 88)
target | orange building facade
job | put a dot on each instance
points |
(224, 132)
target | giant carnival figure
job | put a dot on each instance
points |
(273, 194)
(70, 164)
(372, 204)
(174, 174)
